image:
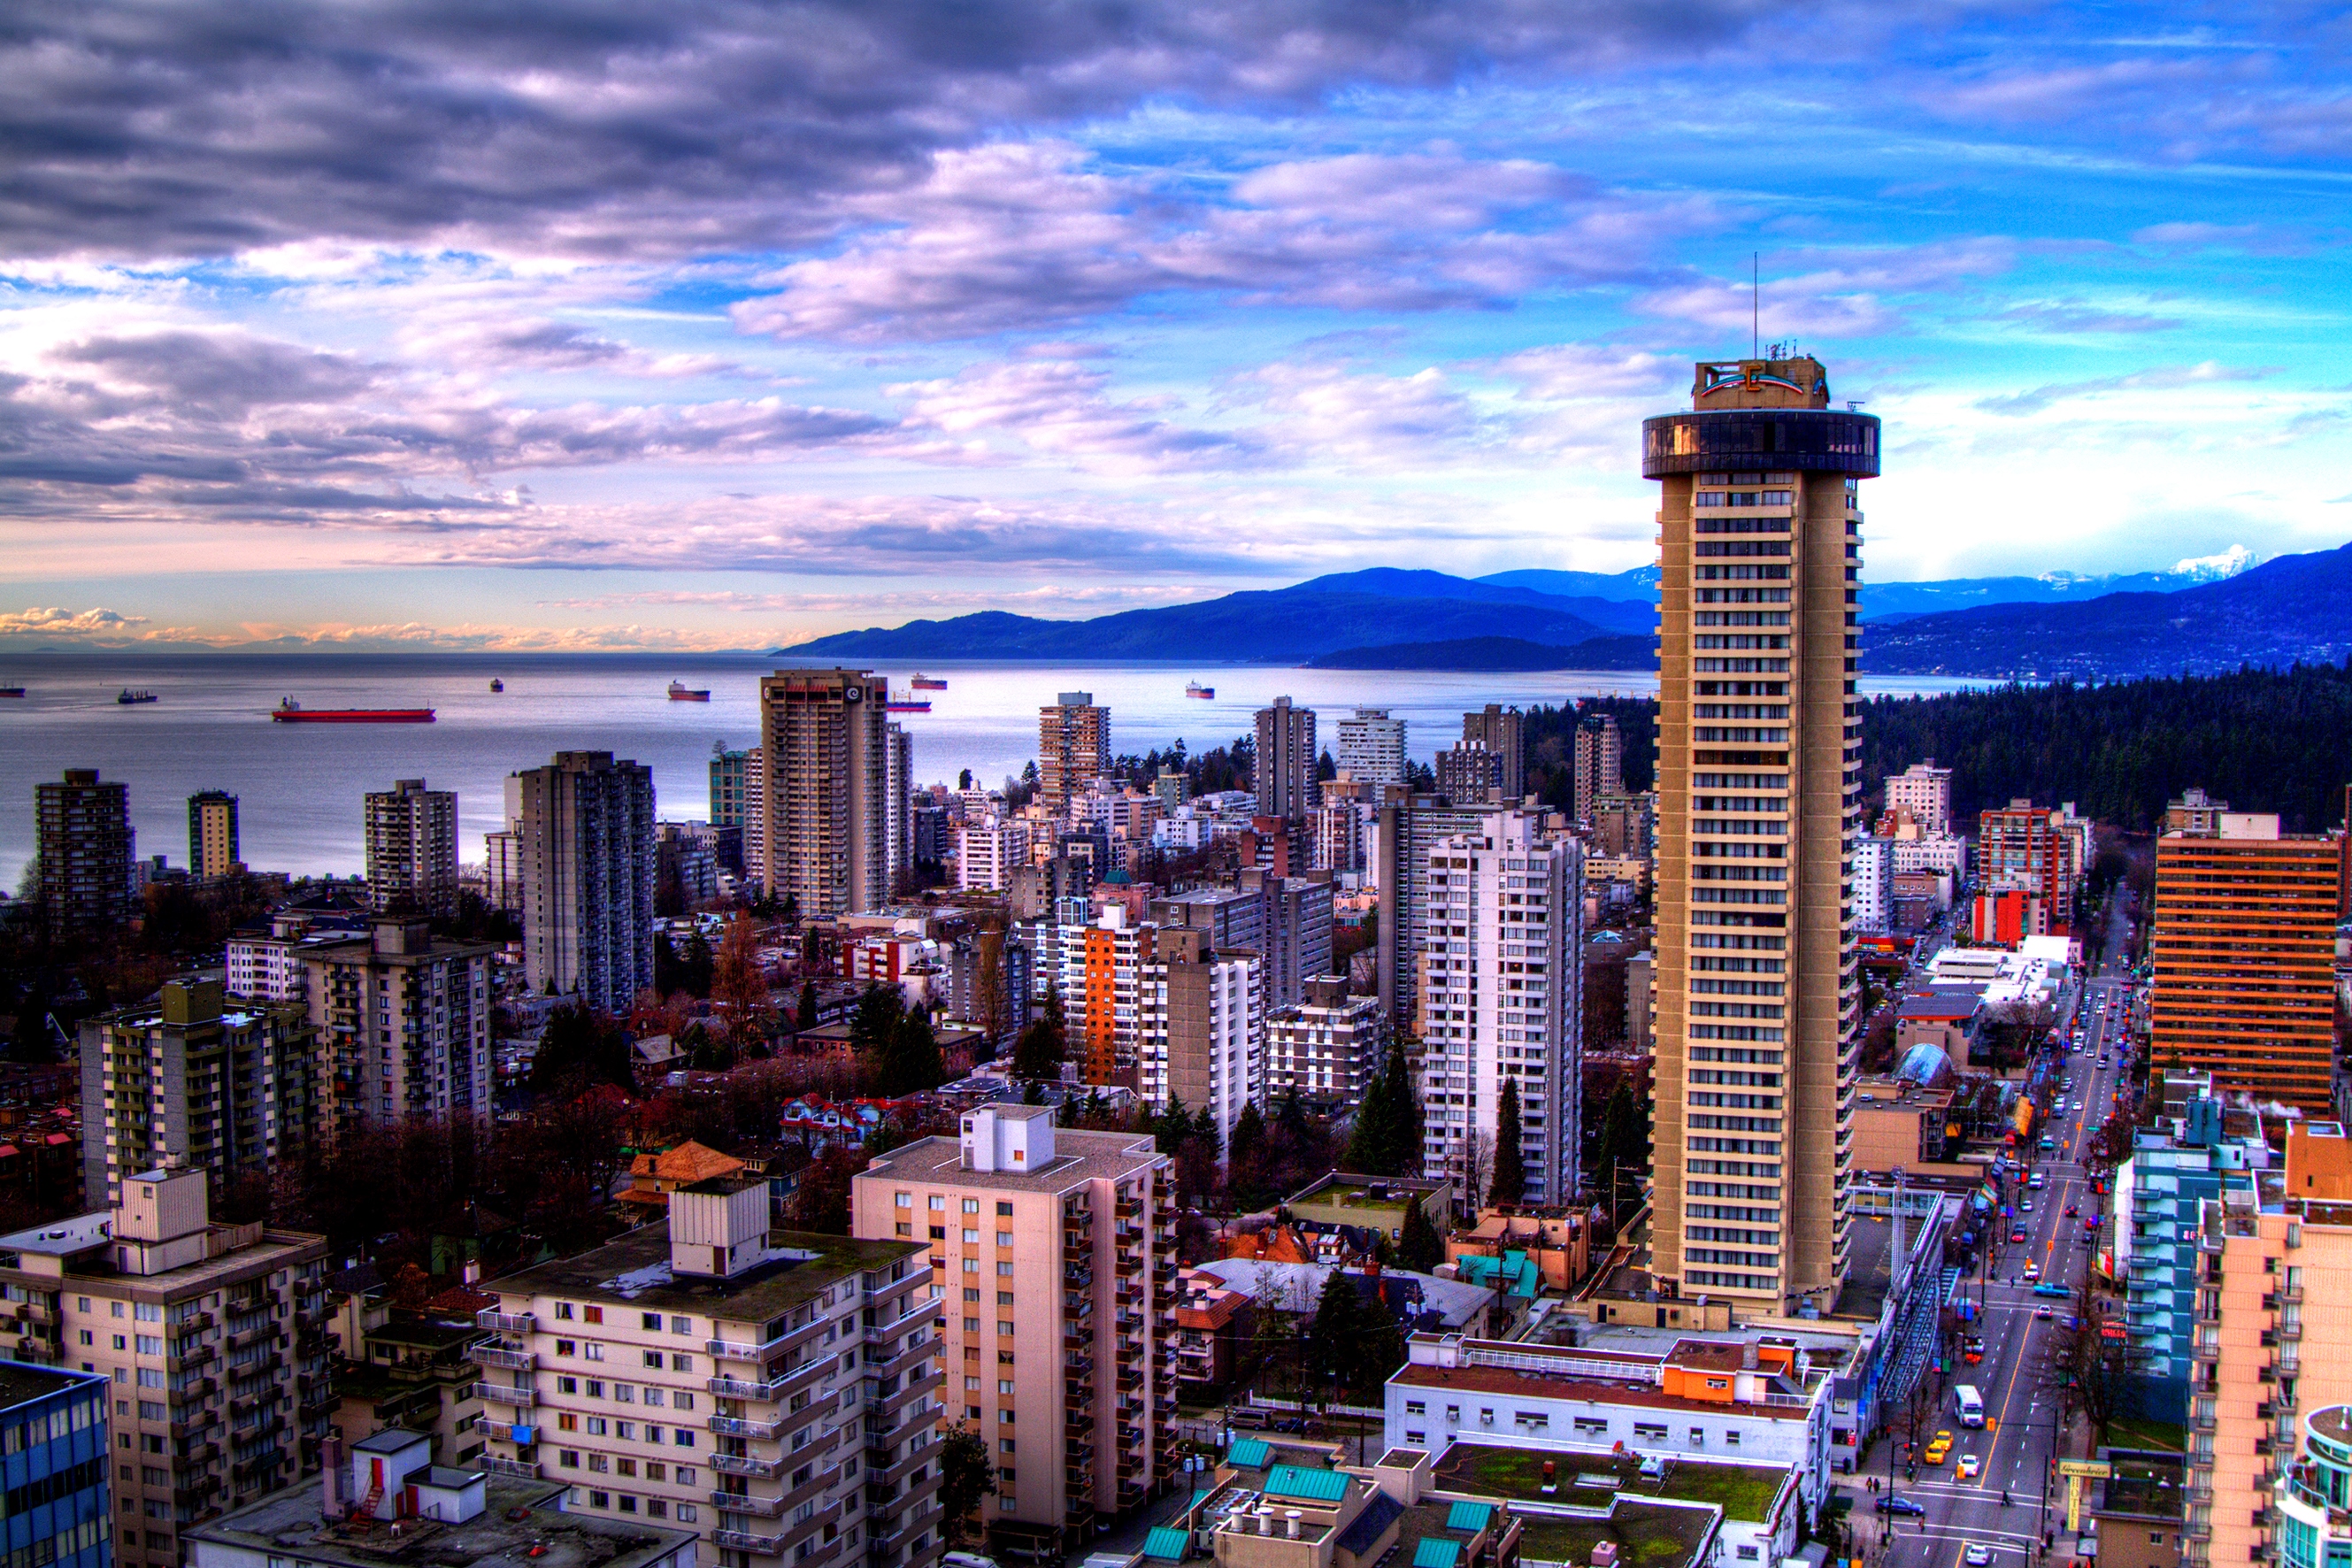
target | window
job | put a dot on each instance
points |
(939, 1203)
(567, 1347)
(684, 1436)
(654, 1359)
(1416, 1438)
(682, 1402)
(652, 1321)
(595, 1389)
(592, 1351)
(1004, 1444)
(680, 1325)
(971, 1206)
(1003, 1238)
(568, 1458)
(599, 1500)
(627, 1467)
(970, 1237)
(565, 1421)
(1591, 1426)
(1416, 1407)
(596, 1427)
(591, 1314)
(626, 1392)
(563, 1309)
(1003, 1208)
(653, 1394)
(681, 1363)
(1004, 1270)
(599, 1463)
(685, 1513)
(656, 1507)
(902, 1200)
(1747, 1553)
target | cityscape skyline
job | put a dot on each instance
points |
(1050, 318)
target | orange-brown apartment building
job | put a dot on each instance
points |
(2243, 950)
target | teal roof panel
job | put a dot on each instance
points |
(1250, 1453)
(1470, 1518)
(1167, 1543)
(1436, 1552)
(1314, 1486)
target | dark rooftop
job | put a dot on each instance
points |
(20, 1382)
(287, 1525)
(635, 1269)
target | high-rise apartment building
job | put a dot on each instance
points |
(1054, 1253)
(1342, 825)
(1370, 747)
(189, 1082)
(588, 878)
(826, 777)
(1600, 762)
(1874, 885)
(1470, 774)
(1324, 1048)
(412, 849)
(772, 1391)
(214, 1338)
(1296, 940)
(1200, 1029)
(1759, 787)
(1502, 942)
(404, 1025)
(1504, 732)
(1404, 831)
(57, 1421)
(898, 806)
(83, 826)
(1285, 760)
(1101, 982)
(2034, 850)
(988, 853)
(2243, 952)
(1925, 791)
(755, 816)
(1073, 748)
(728, 786)
(212, 834)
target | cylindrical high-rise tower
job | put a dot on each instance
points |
(1758, 786)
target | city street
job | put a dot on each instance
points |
(2015, 1445)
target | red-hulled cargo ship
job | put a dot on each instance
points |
(292, 712)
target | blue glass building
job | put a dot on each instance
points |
(53, 1465)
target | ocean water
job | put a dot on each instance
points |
(299, 786)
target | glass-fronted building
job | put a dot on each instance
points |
(53, 1492)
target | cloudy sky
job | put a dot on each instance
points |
(715, 324)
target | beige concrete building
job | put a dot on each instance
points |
(1073, 748)
(772, 1391)
(194, 1081)
(823, 778)
(404, 1025)
(1055, 1251)
(1600, 762)
(1201, 1037)
(1503, 732)
(215, 1336)
(1759, 797)
(587, 839)
(1285, 760)
(212, 834)
(412, 849)
(1325, 1048)
(1925, 791)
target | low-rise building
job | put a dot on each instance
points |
(770, 1391)
(389, 1505)
(2134, 1510)
(404, 1371)
(1753, 1401)
(1212, 1324)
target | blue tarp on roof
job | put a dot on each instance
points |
(1436, 1552)
(1167, 1543)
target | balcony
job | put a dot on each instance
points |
(754, 1507)
(499, 1355)
(2290, 1329)
(499, 1394)
(731, 1427)
(505, 1322)
(741, 1465)
(744, 1540)
(498, 1467)
(736, 1388)
(2292, 1295)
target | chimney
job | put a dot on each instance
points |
(1291, 1519)
(330, 1476)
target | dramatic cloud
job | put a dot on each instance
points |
(70, 623)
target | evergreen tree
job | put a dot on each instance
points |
(1510, 1182)
(911, 1062)
(1035, 1094)
(1334, 1335)
(805, 1017)
(1172, 1127)
(1367, 1148)
(1419, 1246)
(1245, 1157)
(1043, 1046)
(1291, 1122)
(874, 1029)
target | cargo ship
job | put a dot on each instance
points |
(927, 682)
(292, 712)
(12, 692)
(131, 699)
(907, 705)
(1194, 688)
(681, 692)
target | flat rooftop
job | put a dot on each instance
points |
(1743, 1491)
(635, 1269)
(21, 1381)
(1079, 1157)
(289, 1523)
(1648, 1535)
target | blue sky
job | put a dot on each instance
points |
(718, 326)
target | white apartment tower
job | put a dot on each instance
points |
(412, 849)
(1371, 747)
(1502, 976)
(1925, 791)
(898, 804)
(1759, 790)
(775, 1391)
(989, 852)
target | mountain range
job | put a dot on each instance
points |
(2201, 617)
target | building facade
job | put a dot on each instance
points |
(1600, 762)
(1324, 1048)
(1200, 1029)
(1758, 791)
(197, 1083)
(588, 884)
(775, 1393)
(1925, 791)
(1874, 885)
(1470, 774)
(212, 834)
(2036, 851)
(83, 825)
(213, 1336)
(1073, 748)
(53, 1429)
(898, 804)
(412, 849)
(1285, 760)
(1502, 979)
(2243, 950)
(1053, 1251)
(1405, 829)
(988, 853)
(729, 799)
(402, 1022)
(825, 776)
(1370, 747)
(1503, 732)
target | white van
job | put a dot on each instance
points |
(1969, 1403)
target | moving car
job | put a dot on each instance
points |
(2017, 1234)
(2073, 1209)
(2055, 1292)
(1978, 1555)
(1902, 1505)
(2025, 1206)
(2032, 1273)
(1969, 1466)
(2042, 1314)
